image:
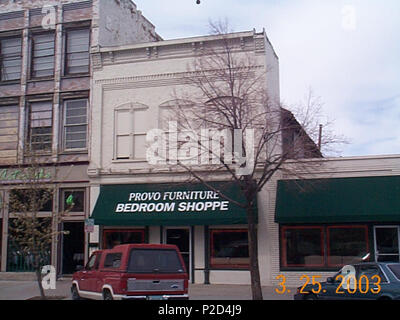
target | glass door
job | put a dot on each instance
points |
(387, 244)
(181, 238)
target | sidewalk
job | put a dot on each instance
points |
(23, 290)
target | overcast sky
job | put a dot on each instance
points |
(348, 52)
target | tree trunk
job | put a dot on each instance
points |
(253, 252)
(39, 281)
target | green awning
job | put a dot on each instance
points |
(367, 199)
(168, 205)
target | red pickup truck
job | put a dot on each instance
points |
(133, 271)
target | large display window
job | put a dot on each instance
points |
(114, 237)
(229, 249)
(323, 247)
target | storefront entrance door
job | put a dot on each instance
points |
(181, 238)
(73, 247)
(387, 244)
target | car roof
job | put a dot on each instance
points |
(123, 247)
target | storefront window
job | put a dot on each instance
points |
(112, 238)
(37, 200)
(323, 246)
(74, 201)
(229, 249)
(346, 245)
(19, 256)
(302, 246)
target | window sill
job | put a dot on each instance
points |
(76, 75)
(9, 82)
(74, 151)
(40, 79)
(129, 161)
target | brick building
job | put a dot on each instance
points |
(45, 78)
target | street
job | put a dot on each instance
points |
(23, 290)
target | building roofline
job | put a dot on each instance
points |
(182, 41)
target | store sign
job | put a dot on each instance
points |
(89, 225)
(170, 204)
(15, 175)
(181, 201)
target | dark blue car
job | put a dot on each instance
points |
(371, 281)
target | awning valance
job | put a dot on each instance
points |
(365, 199)
(168, 205)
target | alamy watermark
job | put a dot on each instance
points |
(49, 278)
(205, 147)
(349, 17)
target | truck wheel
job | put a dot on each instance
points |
(107, 295)
(74, 293)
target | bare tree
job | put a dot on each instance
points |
(31, 231)
(240, 131)
(310, 115)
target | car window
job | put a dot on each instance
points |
(113, 260)
(370, 271)
(154, 261)
(91, 262)
(395, 268)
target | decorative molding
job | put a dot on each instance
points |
(165, 76)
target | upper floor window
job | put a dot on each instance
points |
(42, 55)
(41, 126)
(77, 51)
(130, 132)
(9, 116)
(10, 59)
(75, 124)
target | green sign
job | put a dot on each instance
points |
(169, 204)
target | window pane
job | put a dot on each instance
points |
(302, 247)
(114, 238)
(140, 146)
(75, 124)
(346, 245)
(77, 51)
(19, 258)
(395, 268)
(10, 58)
(74, 201)
(123, 122)
(151, 260)
(123, 147)
(229, 249)
(41, 126)
(113, 260)
(43, 55)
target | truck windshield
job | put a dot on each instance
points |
(154, 261)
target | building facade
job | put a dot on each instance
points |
(309, 227)
(133, 88)
(45, 85)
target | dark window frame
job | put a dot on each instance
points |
(67, 31)
(324, 246)
(32, 56)
(64, 206)
(65, 126)
(283, 251)
(17, 56)
(51, 134)
(212, 251)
